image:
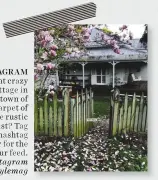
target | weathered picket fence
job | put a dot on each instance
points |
(128, 113)
(64, 117)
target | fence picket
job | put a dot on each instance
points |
(136, 119)
(121, 120)
(79, 117)
(82, 114)
(72, 102)
(36, 114)
(128, 118)
(116, 108)
(92, 107)
(60, 119)
(125, 113)
(144, 118)
(41, 118)
(141, 112)
(75, 119)
(55, 103)
(46, 114)
(146, 122)
(88, 123)
(66, 113)
(51, 119)
(133, 112)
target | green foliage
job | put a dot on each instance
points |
(107, 31)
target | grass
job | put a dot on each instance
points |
(101, 106)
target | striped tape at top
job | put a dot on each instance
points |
(31, 24)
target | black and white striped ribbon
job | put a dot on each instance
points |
(68, 15)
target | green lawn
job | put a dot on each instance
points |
(101, 106)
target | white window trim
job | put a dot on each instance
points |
(101, 77)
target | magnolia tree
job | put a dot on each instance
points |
(53, 44)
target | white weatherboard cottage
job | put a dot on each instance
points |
(102, 66)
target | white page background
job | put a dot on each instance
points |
(18, 52)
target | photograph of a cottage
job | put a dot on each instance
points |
(91, 98)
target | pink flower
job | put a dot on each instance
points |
(124, 27)
(43, 43)
(48, 38)
(44, 55)
(54, 47)
(89, 31)
(49, 66)
(64, 153)
(102, 35)
(53, 53)
(86, 36)
(46, 33)
(112, 42)
(41, 33)
(108, 41)
(39, 67)
(116, 46)
(89, 169)
(35, 77)
(105, 39)
(116, 50)
(71, 33)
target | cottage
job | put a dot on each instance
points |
(101, 66)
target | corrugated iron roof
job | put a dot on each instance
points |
(100, 51)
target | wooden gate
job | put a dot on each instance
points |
(64, 117)
(128, 113)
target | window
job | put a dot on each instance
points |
(98, 79)
(100, 76)
(103, 79)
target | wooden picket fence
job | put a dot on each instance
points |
(64, 117)
(128, 113)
